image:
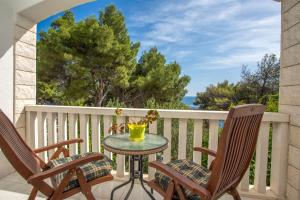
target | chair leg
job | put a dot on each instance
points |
(88, 194)
(85, 188)
(60, 189)
(170, 191)
(234, 193)
(180, 191)
(33, 194)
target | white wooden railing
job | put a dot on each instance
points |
(49, 124)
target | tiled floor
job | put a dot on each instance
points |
(14, 187)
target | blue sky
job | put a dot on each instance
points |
(210, 39)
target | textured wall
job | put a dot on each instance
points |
(25, 69)
(290, 89)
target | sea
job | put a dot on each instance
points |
(189, 100)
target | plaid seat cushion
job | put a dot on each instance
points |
(91, 171)
(189, 169)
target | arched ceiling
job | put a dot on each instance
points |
(37, 10)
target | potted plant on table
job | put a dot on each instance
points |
(136, 129)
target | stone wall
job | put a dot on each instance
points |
(290, 89)
(25, 69)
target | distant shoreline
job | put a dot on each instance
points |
(189, 100)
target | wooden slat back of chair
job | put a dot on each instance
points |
(236, 147)
(16, 150)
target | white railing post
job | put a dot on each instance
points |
(182, 138)
(213, 138)
(107, 121)
(41, 132)
(244, 184)
(73, 131)
(261, 158)
(152, 157)
(134, 119)
(120, 158)
(167, 134)
(198, 129)
(61, 127)
(31, 132)
(279, 163)
(50, 132)
(84, 133)
(96, 139)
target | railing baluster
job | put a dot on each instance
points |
(213, 138)
(152, 157)
(120, 158)
(41, 132)
(50, 131)
(261, 158)
(84, 133)
(107, 120)
(182, 138)
(198, 124)
(31, 134)
(61, 122)
(73, 130)
(167, 134)
(134, 119)
(96, 133)
(244, 184)
(280, 142)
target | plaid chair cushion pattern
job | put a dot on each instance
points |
(189, 169)
(90, 170)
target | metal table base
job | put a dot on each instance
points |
(134, 174)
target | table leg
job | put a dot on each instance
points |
(134, 174)
(131, 180)
(118, 187)
(142, 179)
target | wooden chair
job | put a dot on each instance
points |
(35, 170)
(235, 150)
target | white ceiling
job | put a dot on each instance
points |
(37, 10)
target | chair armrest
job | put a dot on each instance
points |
(180, 179)
(59, 144)
(68, 166)
(205, 150)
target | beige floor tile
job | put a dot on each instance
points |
(14, 187)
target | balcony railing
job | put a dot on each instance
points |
(49, 124)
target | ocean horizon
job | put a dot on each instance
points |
(189, 101)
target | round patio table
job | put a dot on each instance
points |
(121, 144)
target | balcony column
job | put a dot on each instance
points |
(24, 69)
(289, 96)
(6, 72)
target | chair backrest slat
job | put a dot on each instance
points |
(236, 147)
(16, 150)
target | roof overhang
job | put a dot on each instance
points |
(46, 8)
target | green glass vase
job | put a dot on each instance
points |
(137, 132)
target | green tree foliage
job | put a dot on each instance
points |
(260, 86)
(155, 79)
(93, 62)
(86, 59)
(263, 82)
(218, 97)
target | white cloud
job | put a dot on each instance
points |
(211, 34)
(253, 34)
(230, 61)
(173, 22)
